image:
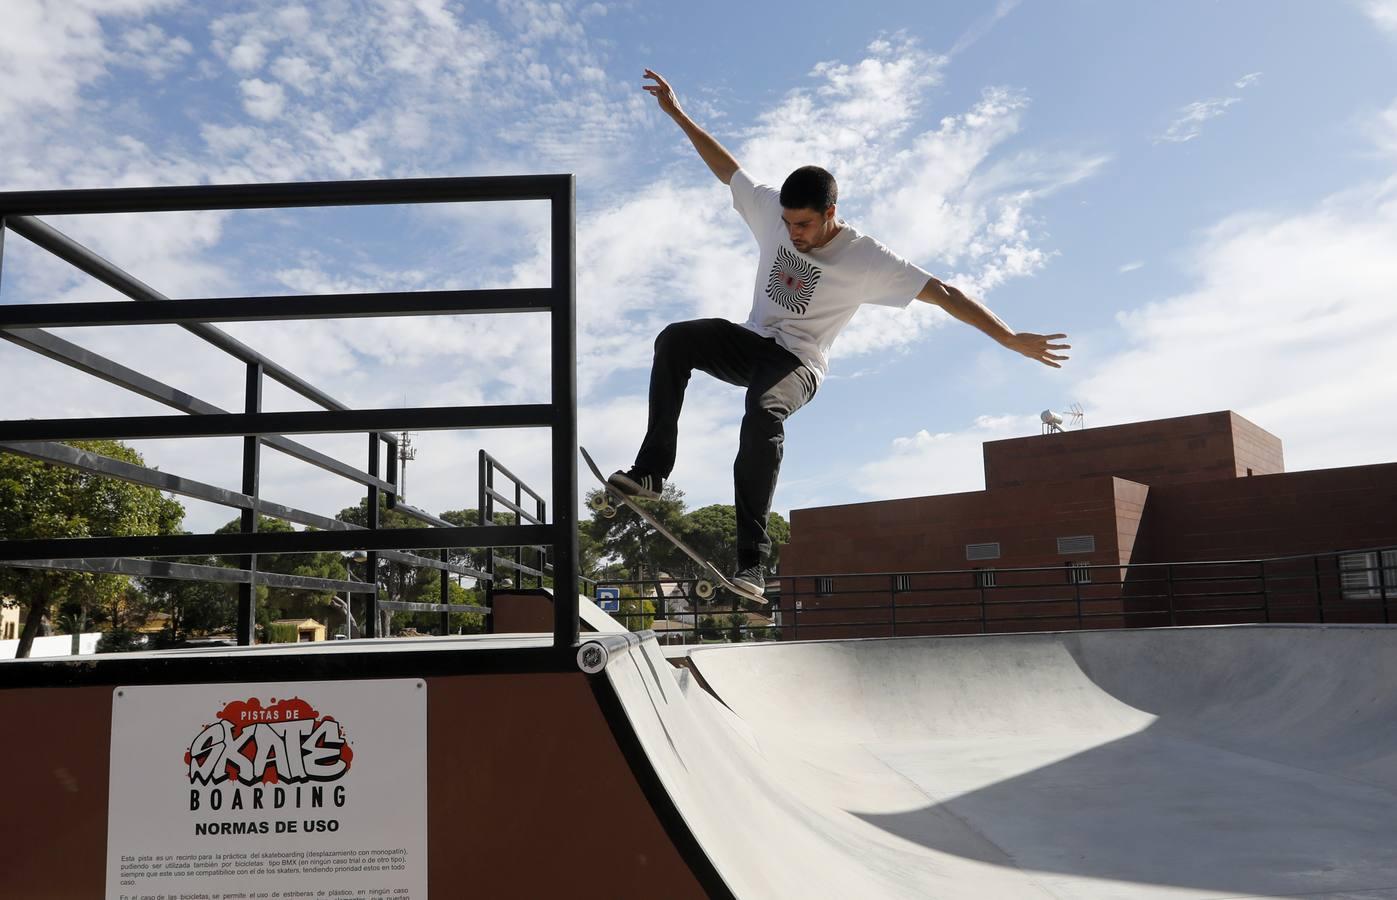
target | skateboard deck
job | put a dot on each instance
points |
(717, 576)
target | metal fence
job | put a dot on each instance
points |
(27, 326)
(1342, 586)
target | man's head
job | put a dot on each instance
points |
(807, 199)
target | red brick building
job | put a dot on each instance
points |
(1195, 488)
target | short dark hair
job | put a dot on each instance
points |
(809, 187)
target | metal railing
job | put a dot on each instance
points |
(1341, 586)
(25, 326)
(489, 499)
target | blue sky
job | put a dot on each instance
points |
(1202, 194)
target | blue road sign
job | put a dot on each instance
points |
(609, 599)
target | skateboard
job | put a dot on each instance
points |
(704, 589)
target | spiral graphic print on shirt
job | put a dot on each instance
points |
(792, 281)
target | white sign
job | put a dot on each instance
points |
(289, 789)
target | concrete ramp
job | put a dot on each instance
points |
(1206, 762)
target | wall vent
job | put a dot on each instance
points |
(1084, 543)
(982, 551)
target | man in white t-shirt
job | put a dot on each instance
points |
(815, 271)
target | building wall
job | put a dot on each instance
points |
(1207, 447)
(924, 533)
(1319, 511)
(1256, 450)
(1194, 488)
(930, 534)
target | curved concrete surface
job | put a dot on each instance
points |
(1205, 762)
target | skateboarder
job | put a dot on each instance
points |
(815, 271)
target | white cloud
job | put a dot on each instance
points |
(982, 26)
(1383, 12)
(49, 52)
(263, 100)
(1131, 267)
(1189, 123)
(1288, 325)
(923, 464)
(1383, 131)
(151, 50)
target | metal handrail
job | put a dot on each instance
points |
(972, 607)
(17, 213)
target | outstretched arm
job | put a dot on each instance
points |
(713, 153)
(973, 312)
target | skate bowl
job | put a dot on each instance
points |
(1236, 761)
(1233, 761)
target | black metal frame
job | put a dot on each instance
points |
(489, 497)
(23, 325)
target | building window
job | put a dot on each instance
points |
(824, 585)
(902, 583)
(982, 551)
(984, 578)
(1082, 543)
(1079, 573)
(1360, 579)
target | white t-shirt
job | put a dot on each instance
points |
(803, 300)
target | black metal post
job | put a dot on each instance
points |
(252, 446)
(1382, 587)
(1169, 587)
(563, 327)
(392, 478)
(1265, 594)
(543, 563)
(1319, 593)
(445, 592)
(485, 505)
(519, 520)
(371, 563)
(892, 593)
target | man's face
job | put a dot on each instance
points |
(807, 228)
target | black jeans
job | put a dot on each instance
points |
(777, 385)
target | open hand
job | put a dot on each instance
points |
(662, 92)
(1039, 347)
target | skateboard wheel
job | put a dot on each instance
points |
(597, 503)
(704, 589)
(608, 512)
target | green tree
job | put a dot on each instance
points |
(712, 532)
(629, 539)
(274, 603)
(194, 607)
(40, 500)
(403, 582)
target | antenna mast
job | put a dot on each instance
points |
(405, 452)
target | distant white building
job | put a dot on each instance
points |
(9, 620)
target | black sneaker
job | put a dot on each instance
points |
(635, 483)
(750, 579)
